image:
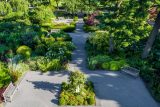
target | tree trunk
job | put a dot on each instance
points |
(111, 44)
(152, 37)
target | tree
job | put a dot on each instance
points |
(42, 14)
(20, 6)
(126, 22)
(5, 8)
(85, 6)
(152, 37)
(153, 34)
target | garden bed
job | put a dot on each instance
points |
(77, 92)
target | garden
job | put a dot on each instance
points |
(27, 43)
(121, 34)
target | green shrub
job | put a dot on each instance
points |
(75, 18)
(42, 64)
(17, 70)
(59, 25)
(4, 52)
(65, 27)
(136, 62)
(5, 8)
(106, 65)
(60, 39)
(147, 73)
(97, 61)
(48, 40)
(80, 100)
(33, 63)
(114, 66)
(3, 49)
(5, 78)
(29, 39)
(88, 28)
(62, 102)
(45, 64)
(76, 79)
(73, 23)
(61, 50)
(69, 28)
(91, 100)
(41, 14)
(63, 35)
(71, 96)
(25, 51)
(64, 86)
(54, 65)
(98, 43)
(40, 49)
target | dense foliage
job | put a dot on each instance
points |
(78, 91)
(4, 75)
(120, 29)
(27, 41)
(125, 31)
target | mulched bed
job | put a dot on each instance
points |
(1, 96)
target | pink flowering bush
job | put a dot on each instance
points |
(91, 20)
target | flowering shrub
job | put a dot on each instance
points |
(91, 20)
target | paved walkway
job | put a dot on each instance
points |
(113, 89)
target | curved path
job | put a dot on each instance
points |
(113, 89)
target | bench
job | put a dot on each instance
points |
(9, 92)
(131, 71)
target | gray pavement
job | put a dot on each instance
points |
(113, 89)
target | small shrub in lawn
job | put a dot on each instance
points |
(25, 51)
(78, 91)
